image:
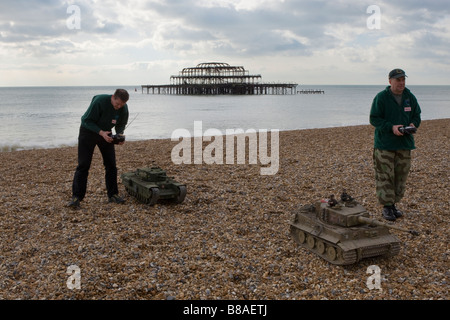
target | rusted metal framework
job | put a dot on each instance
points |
(214, 78)
(213, 73)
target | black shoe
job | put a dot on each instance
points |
(74, 203)
(388, 213)
(116, 199)
(397, 212)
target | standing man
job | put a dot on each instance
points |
(392, 109)
(104, 113)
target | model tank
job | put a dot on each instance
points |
(149, 185)
(342, 233)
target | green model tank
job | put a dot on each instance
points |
(149, 185)
(342, 233)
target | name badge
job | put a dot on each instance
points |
(407, 109)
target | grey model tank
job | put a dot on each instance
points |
(342, 233)
(149, 185)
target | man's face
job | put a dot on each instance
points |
(397, 85)
(117, 103)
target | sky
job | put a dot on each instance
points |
(135, 42)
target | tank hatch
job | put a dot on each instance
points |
(344, 214)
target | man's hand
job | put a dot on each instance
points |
(395, 130)
(105, 135)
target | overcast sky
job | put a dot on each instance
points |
(93, 42)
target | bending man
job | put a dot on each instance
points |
(104, 113)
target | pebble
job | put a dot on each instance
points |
(230, 238)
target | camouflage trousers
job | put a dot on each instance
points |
(391, 171)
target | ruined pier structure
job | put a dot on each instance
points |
(215, 78)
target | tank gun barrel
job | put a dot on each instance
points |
(379, 223)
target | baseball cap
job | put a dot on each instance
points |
(397, 73)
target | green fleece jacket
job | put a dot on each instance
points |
(386, 112)
(101, 115)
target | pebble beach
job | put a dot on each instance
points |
(229, 239)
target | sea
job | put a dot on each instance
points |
(49, 117)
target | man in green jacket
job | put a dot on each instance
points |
(393, 109)
(104, 113)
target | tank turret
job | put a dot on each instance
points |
(149, 185)
(342, 232)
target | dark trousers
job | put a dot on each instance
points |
(87, 140)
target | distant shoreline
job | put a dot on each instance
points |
(300, 85)
(16, 148)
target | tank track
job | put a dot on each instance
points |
(326, 250)
(336, 255)
(180, 197)
(150, 201)
(394, 250)
(155, 195)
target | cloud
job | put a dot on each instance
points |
(280, 37)
(262, 30)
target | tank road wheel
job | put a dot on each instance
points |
(331, 253)
(181, 194)
(154, 197)
(310, 241)
(301, 237)
(298, 235)
(320, 247)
